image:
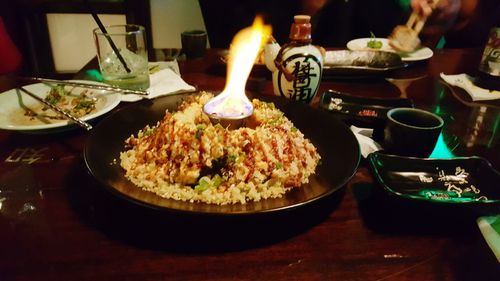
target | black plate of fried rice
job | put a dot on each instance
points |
(336, 144)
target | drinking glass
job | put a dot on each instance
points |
(194, 43)
(122, 55)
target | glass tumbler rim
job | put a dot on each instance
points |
(109, 28)
(439, 119)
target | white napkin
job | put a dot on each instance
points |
(164, 80)
(366, 143)
(466, 82)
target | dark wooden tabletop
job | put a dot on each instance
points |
(58, 223)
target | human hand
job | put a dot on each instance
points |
(444, 9)
(441, 17)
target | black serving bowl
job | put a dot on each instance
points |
(337, 146)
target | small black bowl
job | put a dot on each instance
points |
(412, 132)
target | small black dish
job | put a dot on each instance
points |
(463, 181)
(362, 111)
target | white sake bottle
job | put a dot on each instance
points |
(298, 65)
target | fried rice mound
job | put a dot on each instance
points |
(185, 157)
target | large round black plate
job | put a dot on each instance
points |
(335, 142)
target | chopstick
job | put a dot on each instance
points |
(405, 37)
(78, 121)
(105, 32)
(417, 22)
(87, 85)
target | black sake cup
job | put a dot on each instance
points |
(411, 132)
(194, 43)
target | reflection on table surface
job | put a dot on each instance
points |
(57, 222)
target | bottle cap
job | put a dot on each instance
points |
(301, 28)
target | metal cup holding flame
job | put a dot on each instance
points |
(232, 107)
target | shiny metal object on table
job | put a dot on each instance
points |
(88, 85)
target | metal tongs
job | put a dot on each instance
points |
(87, 85)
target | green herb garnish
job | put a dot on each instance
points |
(373, 43)
(203, 184)
(231, 159)
(86, 104)
(199, 130)
(216, 180)
(149, 132)
(56, 93)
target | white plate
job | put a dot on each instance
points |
(13, 104)
(421, 53)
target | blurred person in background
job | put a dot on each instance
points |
(458, 23)
(465, 22)
(451, 23)
(10, 57)
(462, 23)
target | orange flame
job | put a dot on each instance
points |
(245, 48)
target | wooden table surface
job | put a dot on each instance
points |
(58, 223)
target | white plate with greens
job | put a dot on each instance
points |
(382, 44)
(20, 112)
